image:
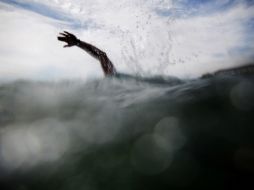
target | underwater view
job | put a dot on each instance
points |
(128, 133)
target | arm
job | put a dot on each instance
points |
(71, 40)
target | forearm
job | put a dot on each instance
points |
(106, 64)
(92, 50)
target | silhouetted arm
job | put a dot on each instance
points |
(71, 40)
(106, 64)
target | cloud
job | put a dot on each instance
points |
(29, 49)
(145, 37)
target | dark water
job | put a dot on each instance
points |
(128, 133)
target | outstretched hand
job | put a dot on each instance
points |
(69, 38)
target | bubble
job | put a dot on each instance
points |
(54, 137)
(151, 154)
(99, 129)
(19, 147)
(168, 129)
(23, 147)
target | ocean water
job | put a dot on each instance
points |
(128, 133)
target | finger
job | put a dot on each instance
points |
(69, 34)
(61, 38)
(63, 34)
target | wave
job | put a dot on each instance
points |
(119, 132)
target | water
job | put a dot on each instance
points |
(127, 133)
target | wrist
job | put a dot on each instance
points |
(78, 42)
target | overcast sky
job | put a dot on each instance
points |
(184, 38)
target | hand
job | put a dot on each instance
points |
(69, 38)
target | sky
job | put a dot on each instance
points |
(184, 38)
